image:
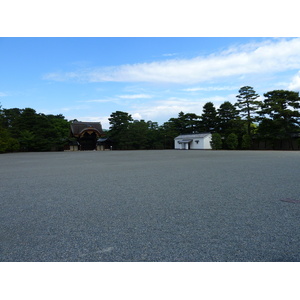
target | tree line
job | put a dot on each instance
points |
(27, 130)
(275, 119)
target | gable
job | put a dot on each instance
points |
(79, 128)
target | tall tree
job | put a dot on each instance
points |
(185, 123)
(248, 105)
(209, 118)
(155, 134)
(281, 116)
(192, 122)
(227, 114)
(138, 135)
(119, 129)
(169, 131)
(179, 123)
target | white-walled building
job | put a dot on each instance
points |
(200, 141)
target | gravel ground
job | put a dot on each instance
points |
(169, 205)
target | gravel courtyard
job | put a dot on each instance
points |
(168, 205)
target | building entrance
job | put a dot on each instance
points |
(88, 141)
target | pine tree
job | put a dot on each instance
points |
(209, 118)
(281, 116)
(248, 105)
(227, 115)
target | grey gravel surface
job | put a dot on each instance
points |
(150, 206)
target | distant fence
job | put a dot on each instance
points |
(268, 144)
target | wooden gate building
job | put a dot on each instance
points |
(85, 135)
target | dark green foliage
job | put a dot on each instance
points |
(248, 105)
(227, 118)
(155, 136)
(209, 118)
(216, 141)
(169, 131)
(186, 123)
(30, 131)
(282, 107)
(138, 135)
(280, 117)
(135, 135)
(7, 143)
(246, 141)
(119, 129)
(232, 141)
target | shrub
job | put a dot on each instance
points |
(232, 141)
(246, 141)
(216, 141)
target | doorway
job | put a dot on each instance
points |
(88, 141)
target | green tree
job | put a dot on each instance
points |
(186, 123)
(10, 121)
(35, 132)
(248, 105)
(191, 123)
(60, 130)
(155, 136)
(246, 141)
(27, 140)
(280, 115)
(138, 133)
(169, 131)
(119, 129)
(282, 107)
(178, 123)
(227, 115)
(216, 141)
(7, 143)
(232, 141)
(209, 118)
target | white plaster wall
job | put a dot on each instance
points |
(204, 143)
(207, 140)
(194, 145)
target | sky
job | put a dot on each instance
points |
(150, 78)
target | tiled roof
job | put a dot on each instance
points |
(192, 136)
(78, 127)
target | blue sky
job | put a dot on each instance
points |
(150, 78)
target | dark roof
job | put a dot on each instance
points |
(79, 127)
(104, 140)
(193, 136)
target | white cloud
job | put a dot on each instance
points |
(271, 56)
(162, 110)
(2, 94)
(60, 76)
(103, 120)
(295, 84)
(136, 116)
(211, 88)
(169, 54)
(137, 96)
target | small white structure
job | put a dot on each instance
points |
(193, 141)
